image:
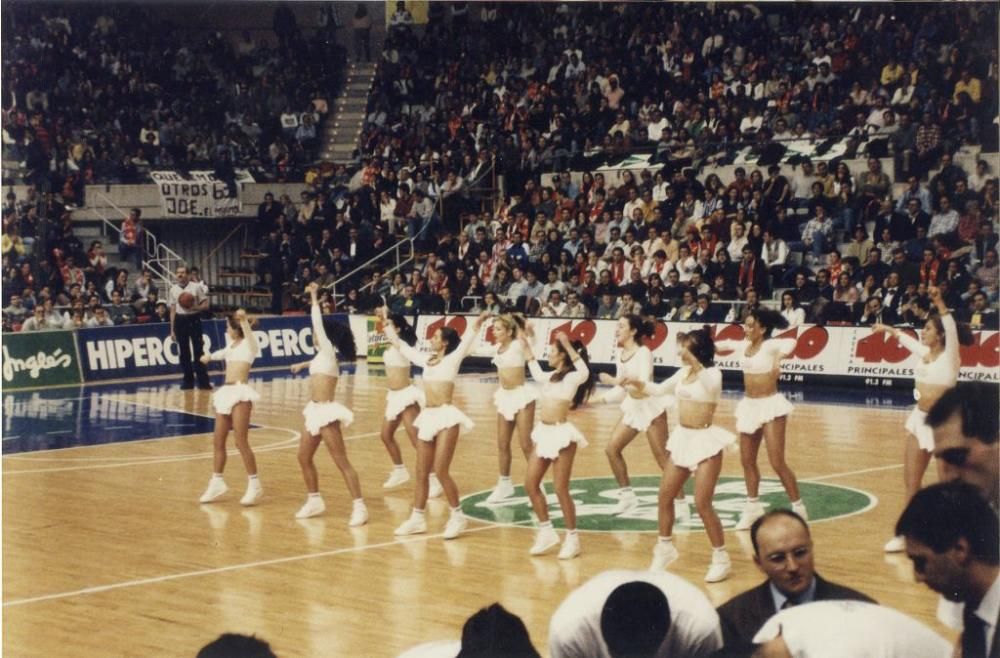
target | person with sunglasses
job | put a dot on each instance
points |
(936, 373)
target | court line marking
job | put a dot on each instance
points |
(235, 567)
(133, 461)
(831, 476)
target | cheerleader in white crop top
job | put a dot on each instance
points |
(935, 373)
(324, 417)
(514, 400)
(640, 412)
(763, 412)
(233, 403)
(403, 401)
(695, 446)
(439, 421)
(556, 439)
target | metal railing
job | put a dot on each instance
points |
(158, 258)
(402, 252)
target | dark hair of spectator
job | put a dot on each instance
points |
(701, 345)
(342, 338)
(770, 515)
(791, 294)
(642, 328)
(635, 620)
(451, 339)
(768, 319)
(584, 390)
(493, 632)
(941, 514)
(976, 402)
(965, 336)
(232, 645)
(404, 329)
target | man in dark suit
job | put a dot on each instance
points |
(953, 540)
(783, 550)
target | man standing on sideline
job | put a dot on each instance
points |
(783, 550)
(966, 423)
(185, 328)
(953, 540)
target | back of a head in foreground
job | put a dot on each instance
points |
(494, 632)
(233, 645)
(635, 620)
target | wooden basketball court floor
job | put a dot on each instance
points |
(106, 551)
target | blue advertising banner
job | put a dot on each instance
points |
(146, 350)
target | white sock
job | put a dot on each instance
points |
(665, 540)
(753, 501)
(456, 512)
(797, 502)
(417, 513)
(545, 525)
(399, 467)
(505, 479)
(627, 492)
(718, 550)
(216, 476)
(314, 495)
(251, 478)
(571, 533)
(359, 502)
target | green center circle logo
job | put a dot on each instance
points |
(596, 498)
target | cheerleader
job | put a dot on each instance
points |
(402, 403)
(640, 412)
(556, 440)
(514, 400)
(233, 403)
(935, 373)
(762, 414)
(438, 423)
(695, 446)
(324, 417)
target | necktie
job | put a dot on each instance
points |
(789, 603)
(973, 635)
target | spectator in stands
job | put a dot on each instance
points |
(815, 234)
(119, 311)
(988, 274)
(978, 314)
(16, 312)
(100, 318)
(944, 221)
(130, 240)
(38, 321)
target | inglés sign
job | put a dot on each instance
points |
(36, 359)
(596, 498)
(199, 193)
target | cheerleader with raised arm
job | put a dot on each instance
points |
(555, 439)
(695, 447)
(438, 423)
(936, 372)
(514, 400)
(325, 418)
(402, 403)
(762, 414)
(640, 412)
(233, 403)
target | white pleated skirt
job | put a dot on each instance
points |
(550, 440)
(754, 413)
(320, 414)
(916, 424)
(397, 401)
(229, 395)
(689, 446)
(639, 413)
(432, 420)
(509, 401)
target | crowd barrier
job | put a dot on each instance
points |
(826, 355)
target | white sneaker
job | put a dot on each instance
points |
(415, 525)
(626, 503)
(253, 494)
(800, 509)
(456, 524)
(314, 507)
(663, 556)
(435, 490)
(359, 516)
(571, 547)
(216, 489)
(720, 568)
(895, 545)
(751, 513)
(503, 491)
(545, 539)
(396, 477)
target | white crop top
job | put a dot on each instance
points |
(638, 367)
(393, 358)
(564, 389)
(512, 357)
(707, 387)
(767, 358)
(325, 361)
(444, 370)
(943, 370)
(245, 351)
